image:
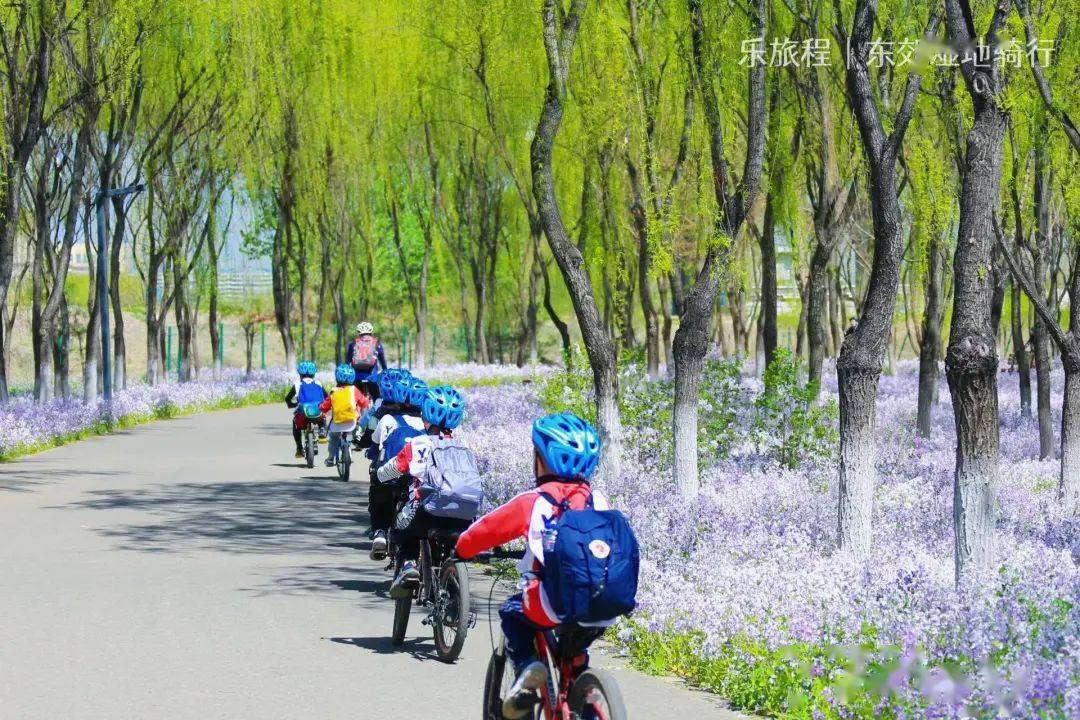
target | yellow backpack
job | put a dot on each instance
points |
(343, 405)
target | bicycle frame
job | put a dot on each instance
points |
(556, 691)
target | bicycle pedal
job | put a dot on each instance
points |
(472, 620)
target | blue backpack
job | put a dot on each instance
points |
(590, 563)
(395, 441)
(310, 392)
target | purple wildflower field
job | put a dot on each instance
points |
(26, 426)
(748, 582)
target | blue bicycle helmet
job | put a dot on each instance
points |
(443, 407)
(306, 368)
(385, 380)
(399, 389)
(569, 446)
(344, 374)
(418, 390)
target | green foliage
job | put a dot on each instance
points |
(800, 681)
(570, 389)
(789, 424)
(783, 422)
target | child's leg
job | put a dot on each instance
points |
(518, 631)
(296, 435)
(335, 440)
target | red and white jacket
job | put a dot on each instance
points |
(526, 516)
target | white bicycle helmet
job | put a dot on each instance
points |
(365, 328)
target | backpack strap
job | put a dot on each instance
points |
(561, 505)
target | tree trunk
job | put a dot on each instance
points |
(560, 31)
(930, 352)
(858, 406)
(767, 243)
(836, 308)
(283, 239)
(1041, 344)
(62, 355)
(858, 366)
(117, 325)
(662, 285)
(971, 361)
(213, 317)
(1040, 340)
(816, 321)
(1069, 486)
(644, 258)
(92, 346)
(249, 349)
(532, 343)
(1023, 361)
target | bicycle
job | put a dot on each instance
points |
(568, 694)
(444, 588)
(344, 456)
(309, 446)
(312, 415)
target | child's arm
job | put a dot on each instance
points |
(325, 405)
(380, 355)
(397, 466)
(290, 397)
(500, 526)
(362, 401)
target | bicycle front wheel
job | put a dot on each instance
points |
(595, 696)
(497, 682)
(451, 623)
(402, 608)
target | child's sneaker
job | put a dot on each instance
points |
(407, 579)
(378, 545)
(524, 693)
(329, 462)
(299, 453)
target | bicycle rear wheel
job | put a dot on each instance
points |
(402, 608)
(451, 618)
(596, 696)
(344, 464)
(309, 448)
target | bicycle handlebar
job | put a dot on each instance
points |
(498, 553)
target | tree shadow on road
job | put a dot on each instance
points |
(261, 516)
(26, 475)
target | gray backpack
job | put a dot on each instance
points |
(451, 486)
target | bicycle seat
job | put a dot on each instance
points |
(448, 537)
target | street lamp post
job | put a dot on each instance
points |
(103, 284)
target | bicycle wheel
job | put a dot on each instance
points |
(497, 682)
(595, 696)
(451, 616)
(402, 608)
(309, 449)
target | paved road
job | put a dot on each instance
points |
(190, 569)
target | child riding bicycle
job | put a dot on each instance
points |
(444, 489)
(366, 355)
(305, 397)
(400, 420)
(344, 404)
(559, 519)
